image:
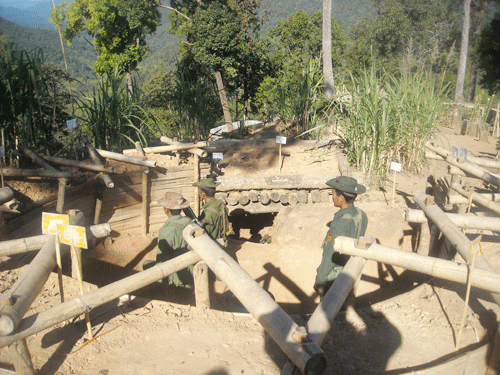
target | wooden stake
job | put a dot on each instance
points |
(59, 265)
(279, 159)
(201, 290)
(196, 179)
(394, 190)
(80, 282)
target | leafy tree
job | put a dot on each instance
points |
(489, 55)
(118, 28)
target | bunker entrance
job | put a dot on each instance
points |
(252, 227)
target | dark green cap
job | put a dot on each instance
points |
(206, 183)
(346, 184)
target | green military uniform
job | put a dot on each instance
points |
(349, 222)
(215, 218)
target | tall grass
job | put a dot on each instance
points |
(115, 117)
(389, 118)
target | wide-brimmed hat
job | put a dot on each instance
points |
(206, 183)
(346, 184)
(173, 201)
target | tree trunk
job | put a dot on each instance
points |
(459, 89)
(224, 102)
(327, 48)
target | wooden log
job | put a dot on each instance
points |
(482, 162)
(21, 358)
(271, 182)
(169, 148)
(304, 354)
(460, 199)
(303, 196)
(16, 172)
(6, 194)
(195, 151)
(244, 199)
(284, 198)
(464, 165)
(253, 195)
(127, 159)
(315, 196)
(77, 306)
(264, 197)
(98, 160)
(320, 322)
(461, 221)
(221, 196)
(61, 194)
(454, 235)
(274, 196)
(36, 158)
(293, 199)
(233, 198)
(10, 206)
(201, 290)
(78, 164)
(436, 267)
(476, 198)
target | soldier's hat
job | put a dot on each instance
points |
(173, 201)
(346, 184)
(207, 183)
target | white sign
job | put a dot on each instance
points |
(280, 140)
(397, 167)
(217, 156)
(463, 153)
(454, 151)
(71, 124)
(51, 221)
(73, 235)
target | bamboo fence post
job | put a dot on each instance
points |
(21, 358)
(77, 306)
(59, 265)
(201, 290)
(145, 196)
(457, 239)
(305, 354)
(196, 179)
(98, 202)
(477, 198)
(97, 159)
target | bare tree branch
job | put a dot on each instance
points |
(175, 10)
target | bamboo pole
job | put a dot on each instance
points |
(460, 199)
(144, 195)
(169, 148)
(10, 207)
(127, 159)
(437, 267)
(461, 221)
(22, 294)
(306, 355)
(482, 162)
(201, 290)
(97, 159)
(196, 179)
(78, 164)
(195, 151)
(476, 198)
(6, 194)
(21, 358)
(77, 306)
(464, 165)
(457, 239)
(16, 172)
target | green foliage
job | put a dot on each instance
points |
(118, 28)
(389, 118)
(489, 55)
(34, 98)
(113, 116)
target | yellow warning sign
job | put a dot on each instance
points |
(51, 221)
(73, 235)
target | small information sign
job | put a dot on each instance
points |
(397, 167)
(217, 156)
(281, 140)
(73, 235)
(463, 153)
(51, 221)
(454, 151)
(71, 124)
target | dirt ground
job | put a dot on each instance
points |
(403, 322)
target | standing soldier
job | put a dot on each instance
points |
(349, 221)
(215, 213)
(171, 243)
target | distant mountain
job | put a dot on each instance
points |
(27, 13)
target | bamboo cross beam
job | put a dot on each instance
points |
(169, 148)
(127, 159)
(195, 151)
(305, 354)
(17, 172)
(6, 194)
(464, 165)
(78, 164)
(460, 199)
(437, 267)
(79, 305)
(461, 221)
(482, 162)
(97, 159)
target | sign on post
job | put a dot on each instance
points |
(217, 156)
(281, 140)
(51, 221)
(71, 124)
(73, 235)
